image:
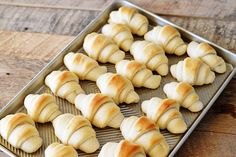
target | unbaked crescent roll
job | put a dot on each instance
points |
(150, 54)
(169, 37)
(146, 133)
(192, 71)
(208, 55)
(138, 74)
(41, 108)
(99, 109)
(64, 84)
(165, 113)
(122, 149)
(76, 131)
(184, 94)
(137, 22)
(117, 87)
(59, 150)
(20, 131)
(102, 48)
(121, 34)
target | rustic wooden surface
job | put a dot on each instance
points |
(31, 33)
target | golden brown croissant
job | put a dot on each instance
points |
(64, 84)
(150, 54)
(192, 71)
(102, 48)
(138, 74)
(60, 150)
(144, 132)
(121, 34)
(84, 67)
(137, 22)
(165, 113)
(169, 37)
(41, 108)
(184, 94)
(20, 131)
(99, 109)
(117, 87)
(208, 55)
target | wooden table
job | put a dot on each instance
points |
(32, 32)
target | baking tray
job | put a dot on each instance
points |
(208, 93)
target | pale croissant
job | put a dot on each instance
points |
(146, 133)
(184, 94)
(165, 113)
(83, 66)
(20, 131)
(138, 74)
(137, 22)
(41, 108)
(150, 54)
(99, 109)
(64, 84)
(192, 71)
(121, 34)
(208, 55)
(60, 150)
(169, 37)
(102, 48)
(76, 131)
(117, 87)
(122, 149)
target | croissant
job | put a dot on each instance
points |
(84, 67)
(150, 54)
(144, 132)
(184, 94)
(121, 34)
(99, 109)
(137, 22)
(165, 113)
(169, 37)
(192, 71)
(60, 150)
(102, 48)
(64, 84)
(117, 87)
(208, 55)
(76, 131)
(41, 108)
(20, 131)
(138, 74)
(122, 149)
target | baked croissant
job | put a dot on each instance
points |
(165, 113)
(169, 37)
(76, 131)
(64, 84)
(192, 71)
(150, 54)
(144, 132)
(137, 22)
(84, 67)
(208, 55)
(121, 34)
(117, 87)
(20, 131)
(184, 94)
(138, 74)
(99, 109)
(41, 108)
(60, 150)
(122, 149)
(102, 48)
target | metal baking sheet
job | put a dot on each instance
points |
(208, 93)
